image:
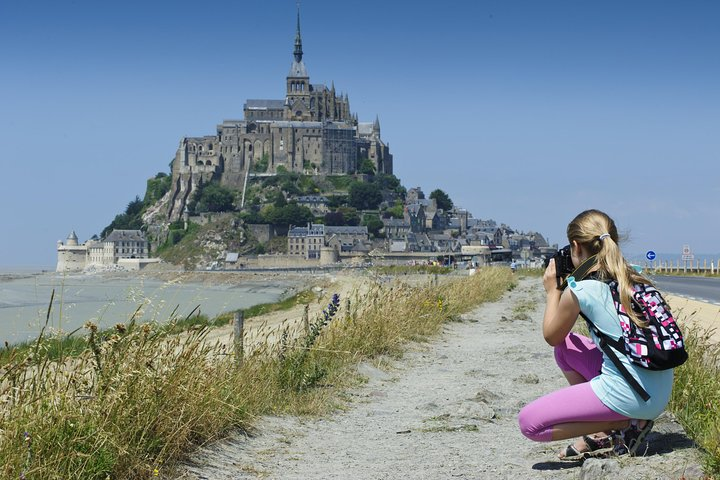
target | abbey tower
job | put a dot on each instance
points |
(311, 131)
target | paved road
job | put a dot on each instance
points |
(705, 289)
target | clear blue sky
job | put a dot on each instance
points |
(526, 112)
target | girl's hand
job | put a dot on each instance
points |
(549, 280)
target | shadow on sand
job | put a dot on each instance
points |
(658, 444)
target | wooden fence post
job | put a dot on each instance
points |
(306, 320)
(238, 331)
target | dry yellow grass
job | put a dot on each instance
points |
(135, 400)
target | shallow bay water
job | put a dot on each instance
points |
(110, 299)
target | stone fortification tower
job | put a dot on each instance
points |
(311, 131)
(71, 255)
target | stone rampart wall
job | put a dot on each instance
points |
(285, 261)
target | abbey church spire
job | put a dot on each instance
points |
(298, 39)
(297, 97)
(297, 69)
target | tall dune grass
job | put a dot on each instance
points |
(135, 400)
(696, 395)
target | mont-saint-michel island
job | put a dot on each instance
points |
(298, 182)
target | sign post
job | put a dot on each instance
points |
(687, 256)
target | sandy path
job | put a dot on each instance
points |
(446, 410)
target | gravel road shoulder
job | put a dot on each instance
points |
(447, 410)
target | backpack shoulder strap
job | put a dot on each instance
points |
(605, 343)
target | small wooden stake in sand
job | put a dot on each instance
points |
(238, 322)
(306, 320)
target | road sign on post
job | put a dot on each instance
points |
(687, 255)
(650, 255)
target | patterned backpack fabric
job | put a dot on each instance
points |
(658, 346)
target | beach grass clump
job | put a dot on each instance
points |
(696, 395)
(118, 409)
(136, 400)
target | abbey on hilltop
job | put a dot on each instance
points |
(311, 131)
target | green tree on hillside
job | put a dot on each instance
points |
(261, 166)
(364, 196)
(342, 216)
(373, 224)
(212, 197)
(130, 220)
(278, 199)
(157, 187)
(290, 214)
(366, 167)
(442, 199)
(335, 201)
(397, 210)
(351, 216)
(334, 219)
(388, 181)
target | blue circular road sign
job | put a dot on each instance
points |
(650, 255)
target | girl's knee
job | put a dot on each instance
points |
(531, 426)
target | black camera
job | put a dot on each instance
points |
(563, 262)
(564, 267)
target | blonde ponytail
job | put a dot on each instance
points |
(597, 233)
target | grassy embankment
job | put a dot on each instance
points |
(133, 401)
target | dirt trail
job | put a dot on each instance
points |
(447, 410)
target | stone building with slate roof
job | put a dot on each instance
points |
(309, 240)
(117, 246)
(311, 131)
(306, 241)
(318, 204)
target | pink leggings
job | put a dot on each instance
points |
(576, 403)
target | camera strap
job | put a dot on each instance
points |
(580, 272)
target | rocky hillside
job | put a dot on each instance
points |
(201, 246)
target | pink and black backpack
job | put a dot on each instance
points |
(658, 346)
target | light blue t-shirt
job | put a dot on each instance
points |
(611, 388)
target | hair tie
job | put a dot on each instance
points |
(604, 236)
